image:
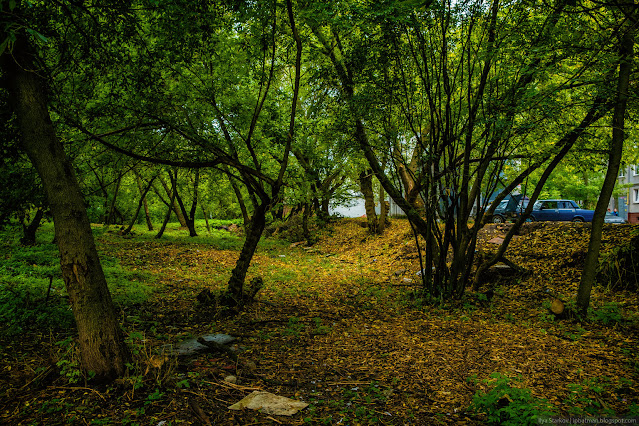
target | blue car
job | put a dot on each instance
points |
(560, 210)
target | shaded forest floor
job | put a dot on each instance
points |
(339, 325)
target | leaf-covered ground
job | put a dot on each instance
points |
(340, 326)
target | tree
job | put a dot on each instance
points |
(142, 202)
(197, 114)
(101, 343)
(468, 86)
(143, 192)
(366, 186)
(626, 59)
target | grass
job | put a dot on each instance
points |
(32, 292)
(218, 239)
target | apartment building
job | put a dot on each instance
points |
(628, 204)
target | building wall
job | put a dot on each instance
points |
(630, 176)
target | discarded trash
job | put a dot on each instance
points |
(269, 403)
(192, 347)
(419, 273)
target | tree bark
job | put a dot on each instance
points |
(149, 224)
(110, 217)
(235, 292)
(206, 218)
(384, 207)
(407, 173)
(240, 200)
(140, 203)
(188, 219)
(102, 347)
(191, 218)
(29, 231)
(169, 209)
(366, 186)
(323, 212)
(614, 161)
(174, 204)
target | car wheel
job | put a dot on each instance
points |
(498, 219)
(577, 220)
(530, 219)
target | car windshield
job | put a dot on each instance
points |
(502, 205)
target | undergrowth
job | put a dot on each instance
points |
(506, 404)
(32, 292)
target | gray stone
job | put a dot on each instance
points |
(192, 347)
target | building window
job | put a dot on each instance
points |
(635, 193)
(635, 170)
(622, 172)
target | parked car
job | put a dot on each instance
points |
(613, 218)
(560, 210)
(499, 215)
(507, 210)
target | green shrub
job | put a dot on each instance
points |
(608, 314)
(507, 405)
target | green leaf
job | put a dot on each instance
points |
(12, 4)
(4, 44)
(37, 35)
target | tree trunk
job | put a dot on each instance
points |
(140, 203)
(102, 347)
(323, 212)
(614, 161)
(206, 218)
(29, 231)
(191, 218)
(407, 174)
(105, 215)
(278, 212)
(110, 217)
(188, 219)
(174, 204)
(235, 292)
(384, 207)
(169, 210)
(366, 186)
(149, 224)
(240, 200)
